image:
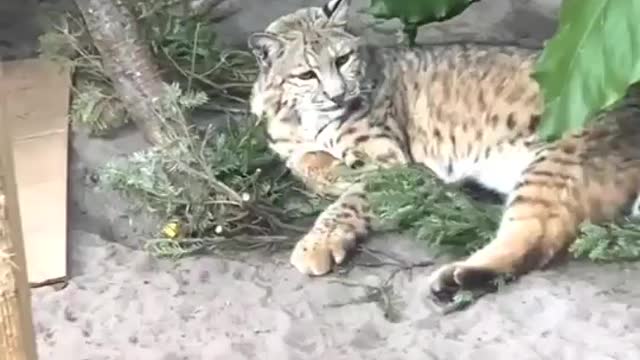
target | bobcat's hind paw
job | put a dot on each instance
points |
(445, 282)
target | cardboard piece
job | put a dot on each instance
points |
(37, 95)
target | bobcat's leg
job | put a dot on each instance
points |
(574, 181)
(334, 233)
(337, 228)
(348, 219)
(530, 235)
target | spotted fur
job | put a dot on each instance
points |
(469, 112)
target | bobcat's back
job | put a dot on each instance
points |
(466, 109)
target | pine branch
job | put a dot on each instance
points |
(447, 219)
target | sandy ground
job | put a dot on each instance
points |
(122, 304)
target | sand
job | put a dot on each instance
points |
(120, 303)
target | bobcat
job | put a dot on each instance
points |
(468, 112)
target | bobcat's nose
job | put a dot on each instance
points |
(334, 88)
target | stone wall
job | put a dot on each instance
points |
(528, 22)
(18, 30)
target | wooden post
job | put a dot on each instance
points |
(17, 338)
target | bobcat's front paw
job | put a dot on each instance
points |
(319, 170)
(316, 253)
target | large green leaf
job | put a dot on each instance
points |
(589, 63)
(415, 13)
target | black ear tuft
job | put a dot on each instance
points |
(337, 10)
(265, 47)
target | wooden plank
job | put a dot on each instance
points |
(37, 93)
(17, 339)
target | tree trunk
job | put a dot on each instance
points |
(127, 61)
(17, 339)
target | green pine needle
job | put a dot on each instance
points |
(447, 219)
(411, 198)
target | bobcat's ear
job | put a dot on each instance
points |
(265, 47)
(337, 11)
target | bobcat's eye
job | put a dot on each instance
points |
(341, 60)
(307, 75)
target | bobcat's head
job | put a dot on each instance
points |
(309, 60)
